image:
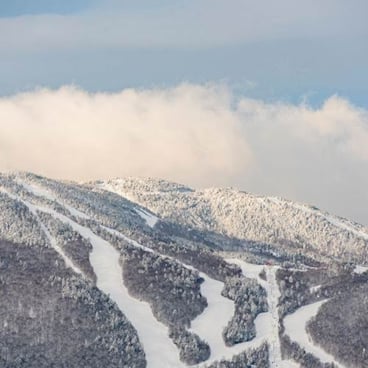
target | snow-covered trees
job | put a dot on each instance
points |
(253, 358)
(192, 349)
(50, 317)
(241, 215)
(172, 290)
(49, 312)
(73, 244)
(250, 299)
(341, 325)
(18, 224)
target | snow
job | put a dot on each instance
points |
(210, 324)
(333, 220)
(68, 261)
(295, 328)
(159, 349)
(249, 270)
(75, 212)
(268, 327)
(43, 192)
(313, 289)
(36, 190)
(360, 269)
(130, 241)
(150, 219)
(246, 216)
(52, 241)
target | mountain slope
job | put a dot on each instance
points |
(245, 216)
(123, 278)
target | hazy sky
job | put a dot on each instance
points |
(276, 50)
(268, 96)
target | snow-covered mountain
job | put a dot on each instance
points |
(147, 273)
(275, 221)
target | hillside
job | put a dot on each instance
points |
(147, 273)
(244, 216)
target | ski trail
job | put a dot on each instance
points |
(209, 325)
(273, 293)
(293, 329)
(151, 220)
(50, 238)
(270, 331)
(159, 349)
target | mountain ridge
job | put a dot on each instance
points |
(194, 207)
(134, 287)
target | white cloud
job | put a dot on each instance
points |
(198, 135)
(70, 133)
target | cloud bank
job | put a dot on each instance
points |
(198, 135)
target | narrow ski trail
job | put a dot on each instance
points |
(33, 209)
(159, 349)
(293, 329)
(208, 325)
(273, 293)
(269, 330)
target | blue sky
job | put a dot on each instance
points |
(268, 96)
(291, 51)
(15, 8)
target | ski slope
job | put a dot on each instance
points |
(150, 219)
(159, 348)
(300, 317)
(270, 331)
(33, 209)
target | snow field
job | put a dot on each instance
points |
(300, 317)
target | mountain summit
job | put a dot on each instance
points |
(147, 273)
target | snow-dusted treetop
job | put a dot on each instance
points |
(246, 216)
